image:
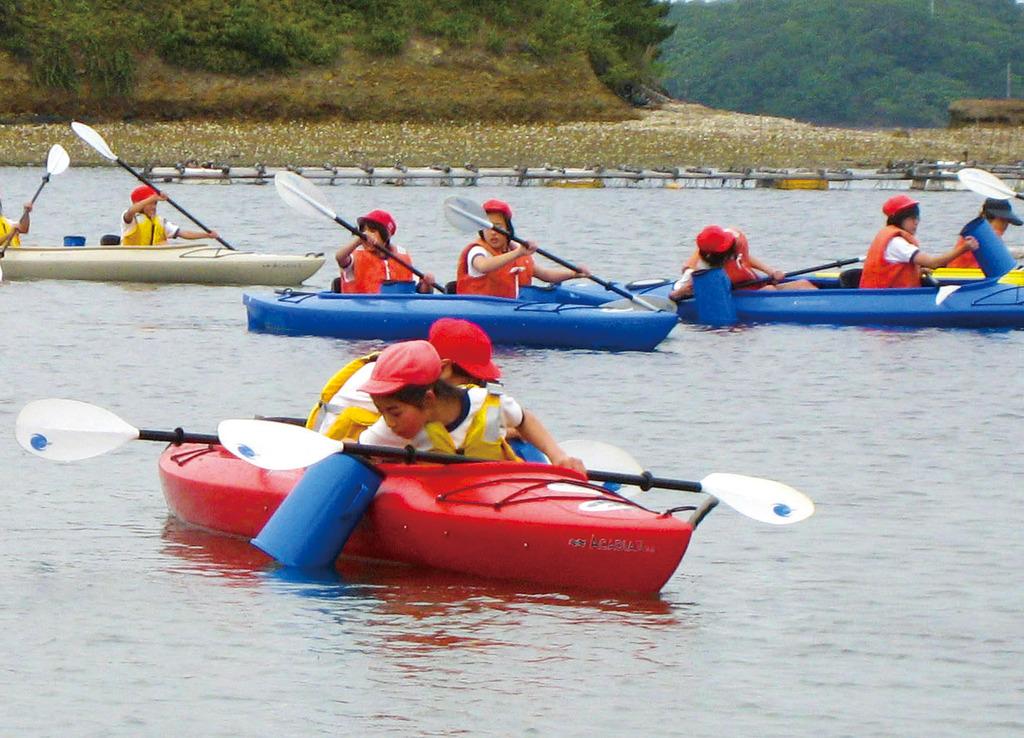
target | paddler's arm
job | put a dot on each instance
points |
(928, 261)
(193, 235)
(137, 207)
(557, 275)
(487, 264)
(774, 274)
(533, 431)
(344, 255)
(24, 223)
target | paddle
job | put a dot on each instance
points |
(467, 216)
(987, 184)
(302, 195)
(94, 139)
(56, 162)
(279, 446)
(70, 430)
(798, 272)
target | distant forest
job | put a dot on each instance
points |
(847, 62)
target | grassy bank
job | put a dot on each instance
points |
(678, 135)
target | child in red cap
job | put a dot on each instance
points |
(494, 265)
(420, 409)
(141, 226)
(367, 261)
(895, 258)
(344, 410)
(728, 249)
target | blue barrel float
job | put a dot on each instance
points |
(74, 240)
(314, 522)
(992, 255)
(712, 291)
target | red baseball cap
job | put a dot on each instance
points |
(715, 240)
(403, 364)
(499, 206)
(141, 192)
(897, 203)
(380, 217)
(465, 344)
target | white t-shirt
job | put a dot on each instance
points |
(169, 228)
(348, 273)
(379, 434)
(900, 250)
(350, 395)
(481, 251)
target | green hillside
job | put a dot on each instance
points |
(357, 59)
(852, 62)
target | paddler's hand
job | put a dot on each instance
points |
(583, 271)
(28, 207)
(776, 275)
(427, 283)
(970, 244)
(529, 247)
(569, 462)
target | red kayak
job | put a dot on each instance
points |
(526, 522)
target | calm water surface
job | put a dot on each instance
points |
(896, 610)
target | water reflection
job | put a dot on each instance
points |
(413, 594)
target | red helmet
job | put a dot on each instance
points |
(897, 203)
(715, 240)
(141, 192)
(382, 218)
(499, 206)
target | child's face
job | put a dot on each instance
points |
(495, 239)
(150, 210)
(402, 418)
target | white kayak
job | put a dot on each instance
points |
(197, 262)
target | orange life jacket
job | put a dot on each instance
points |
(880, 273)
(735, 266)
(371, 271)
(966, 260)
(502, 282)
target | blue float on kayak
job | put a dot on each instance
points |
(536, 319)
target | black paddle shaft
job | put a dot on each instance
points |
(410, 455)
(359, 234)
(798, 272)
(178, 437)
(178, 207)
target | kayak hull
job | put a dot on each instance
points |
(976, 303)
(196, 264)
(523, 522)
(542, 323)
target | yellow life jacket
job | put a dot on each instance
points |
(146, 232)
(350, 421)
(486, 436)
(6, 227)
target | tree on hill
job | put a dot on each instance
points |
(856, 62)
(70, 42)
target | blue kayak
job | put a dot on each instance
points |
(539, 318)
(984, 303)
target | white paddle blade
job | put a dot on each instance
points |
(984, 183)
(465, 214)
(69, 430)
(605, 456)
(57, 160)
(94, 139)
(761, 499)
(275, 446)
(301, 194)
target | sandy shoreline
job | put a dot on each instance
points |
(677, 135)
